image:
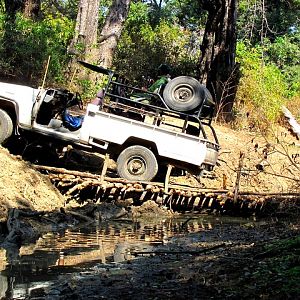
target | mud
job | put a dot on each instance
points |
(229, 260)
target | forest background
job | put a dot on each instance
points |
(247, 51)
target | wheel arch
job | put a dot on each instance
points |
(11, 108)
(131, 141)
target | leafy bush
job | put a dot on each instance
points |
(26, 46)
(262, 89)
(143, 48)
(285, 53)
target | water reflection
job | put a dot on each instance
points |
(74, 250)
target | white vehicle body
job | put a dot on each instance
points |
(105, 131)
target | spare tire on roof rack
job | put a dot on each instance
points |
(186, 94)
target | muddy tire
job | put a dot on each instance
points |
(6, 126)
(184, 93)
(137, 163)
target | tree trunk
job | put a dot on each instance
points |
(112, 30)
(12, 7)
(32, 8)
(217, 66)
(85, 37)
(84, 43)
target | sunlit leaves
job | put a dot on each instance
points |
(262, 85)
(30, 43)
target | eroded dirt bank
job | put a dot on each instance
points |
(23, 187)
(271, 162)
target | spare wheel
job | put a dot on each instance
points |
(184, 93)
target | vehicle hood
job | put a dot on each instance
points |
(18, 92)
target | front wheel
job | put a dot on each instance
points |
(137, 163)
(6, 126)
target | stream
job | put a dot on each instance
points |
(75, 250)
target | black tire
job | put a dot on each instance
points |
(6, 126)
(184, 93)
(137, 163)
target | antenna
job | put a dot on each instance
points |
(46, 71)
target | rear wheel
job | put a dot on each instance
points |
(6, 126)
(137, 163)
(184, 93)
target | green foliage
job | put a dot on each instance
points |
(26, 46)
(281, 265)
(282, 245)
(87, 89)
(282, 15)
(67, 8)
(138, 17)
(143, 48)
(187, 13)
(262, 87)
(285, 53)
(270, 19)
(269, 53)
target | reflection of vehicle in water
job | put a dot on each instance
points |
(174, 129)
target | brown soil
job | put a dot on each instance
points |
(23, 187)
(150, 209)
(271, 163)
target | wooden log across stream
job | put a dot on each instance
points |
(81, 186)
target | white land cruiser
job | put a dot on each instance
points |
(140, 137)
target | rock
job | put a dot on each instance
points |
(108, 211)
(150, 209)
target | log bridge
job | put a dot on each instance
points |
(82, 186)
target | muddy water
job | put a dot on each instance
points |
(75, 250)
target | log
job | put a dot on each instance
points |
(65, 171)
(177, 197)
(194, 252)
(104, 169)
(238, 177)
(80, 216)
(167, 178)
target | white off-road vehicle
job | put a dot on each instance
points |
(173, 126)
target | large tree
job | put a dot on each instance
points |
(85, 37)
(30, 8)
(111, 31)
(217, 65)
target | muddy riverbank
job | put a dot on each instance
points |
(194, 257)
(59, 251)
